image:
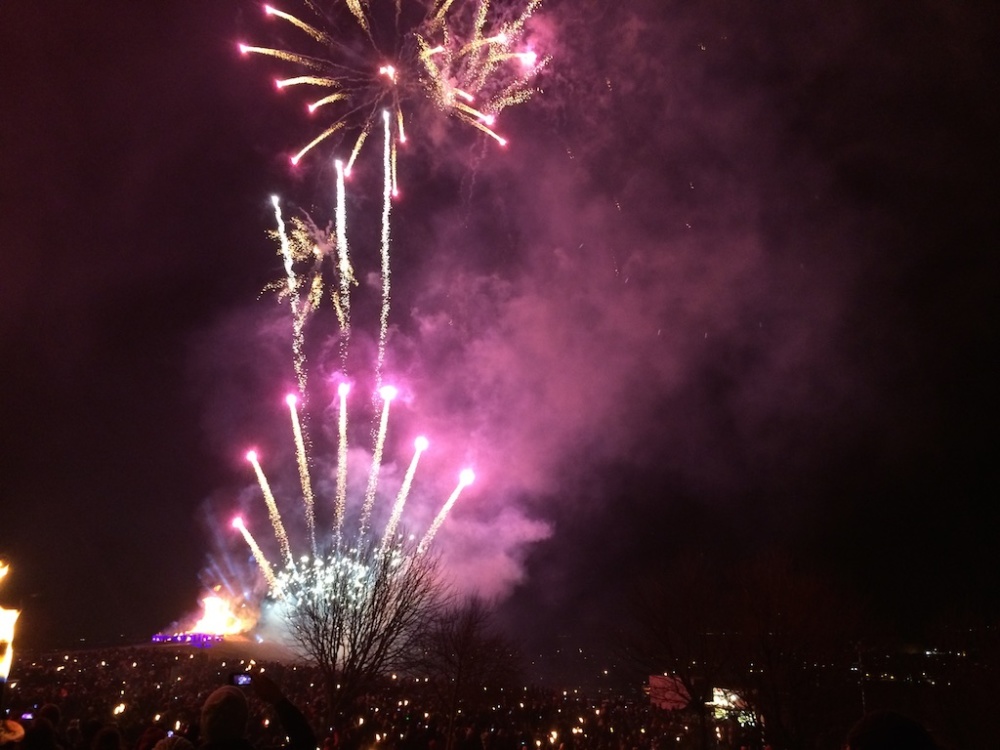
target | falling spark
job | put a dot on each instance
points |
(399, 126)
(305, 80)
(395, 181)
(316, 141)
(419, 446)
(272, 507)
(341, 502)
(346, 275)
(247, 49)
(466, 478)
(386, 207)
(388, 393)
(325, 100)
(312, 31)
(302, 460)
(356, 150)
(258, 554)
(298, 311)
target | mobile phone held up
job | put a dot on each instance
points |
(240, 679)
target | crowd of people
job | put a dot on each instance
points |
(169, 698)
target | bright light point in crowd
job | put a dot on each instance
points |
(237, 523)
(252, 456)
(291, 399)
(343, 389)
(466, 477)
(421, 443)
(388, 392)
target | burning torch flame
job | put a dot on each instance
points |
(7, 619)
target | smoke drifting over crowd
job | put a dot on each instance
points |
(727, 289)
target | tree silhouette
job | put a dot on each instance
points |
(465, 662)
(360, 614)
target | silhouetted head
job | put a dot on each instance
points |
(888, 730)
(39, 735)
(173, 743)
(224, 715)
(108, 738)
(51, 712)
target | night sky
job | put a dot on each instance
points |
(731, 288)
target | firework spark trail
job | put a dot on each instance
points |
(453, 49)
(303, 462)
(388, 393)
(356, 150)
(247, 49)
(442, 9)
(395, 181)
(419, 445)
(272, 507)
(258, 555)
(316, 141)
(312, 31)
(305, 80)
(341, 500)
(359, 13)
(399, 126)
(298, 309)
(329, 99)
(346, 275)
(386, 207)
(464, 480)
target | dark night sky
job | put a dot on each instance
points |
(733, 287)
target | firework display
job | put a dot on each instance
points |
(372, 65)
(372, 60)
(342, 563)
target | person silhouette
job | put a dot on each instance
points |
(889, 730)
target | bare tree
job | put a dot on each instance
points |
(798, 636)
(678, 627)
(465, 661)
(358, 614)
